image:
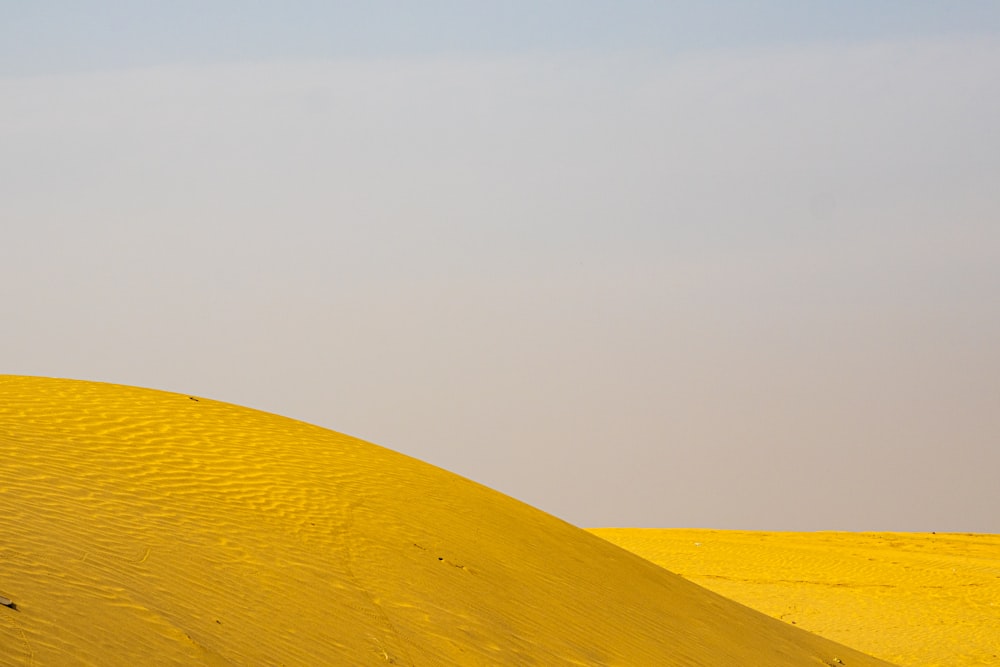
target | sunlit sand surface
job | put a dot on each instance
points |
(913, 599)
(146, 528)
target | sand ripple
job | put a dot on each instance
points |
(145, 528)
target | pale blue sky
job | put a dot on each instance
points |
(731, 265)
(65, 36)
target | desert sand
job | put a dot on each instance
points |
(148, 528)
(913, 599)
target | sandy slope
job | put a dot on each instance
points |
(914, 599)
(144, 528)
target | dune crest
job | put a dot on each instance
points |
(144, 527)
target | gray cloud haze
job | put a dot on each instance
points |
(756, 288)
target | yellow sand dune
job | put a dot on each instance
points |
(914, 599)
(145, 528)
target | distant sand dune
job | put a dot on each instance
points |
(914, 599)
(146, 528)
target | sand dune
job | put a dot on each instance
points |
(146, 528)
(913, 599)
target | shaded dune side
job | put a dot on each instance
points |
(929, 599)
(143, 527)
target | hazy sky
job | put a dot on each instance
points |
(728, 265)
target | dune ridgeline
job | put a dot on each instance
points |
(140, 527)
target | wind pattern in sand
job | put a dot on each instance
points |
(147, 528)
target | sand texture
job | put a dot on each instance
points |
(146, 528)
(913, 599)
